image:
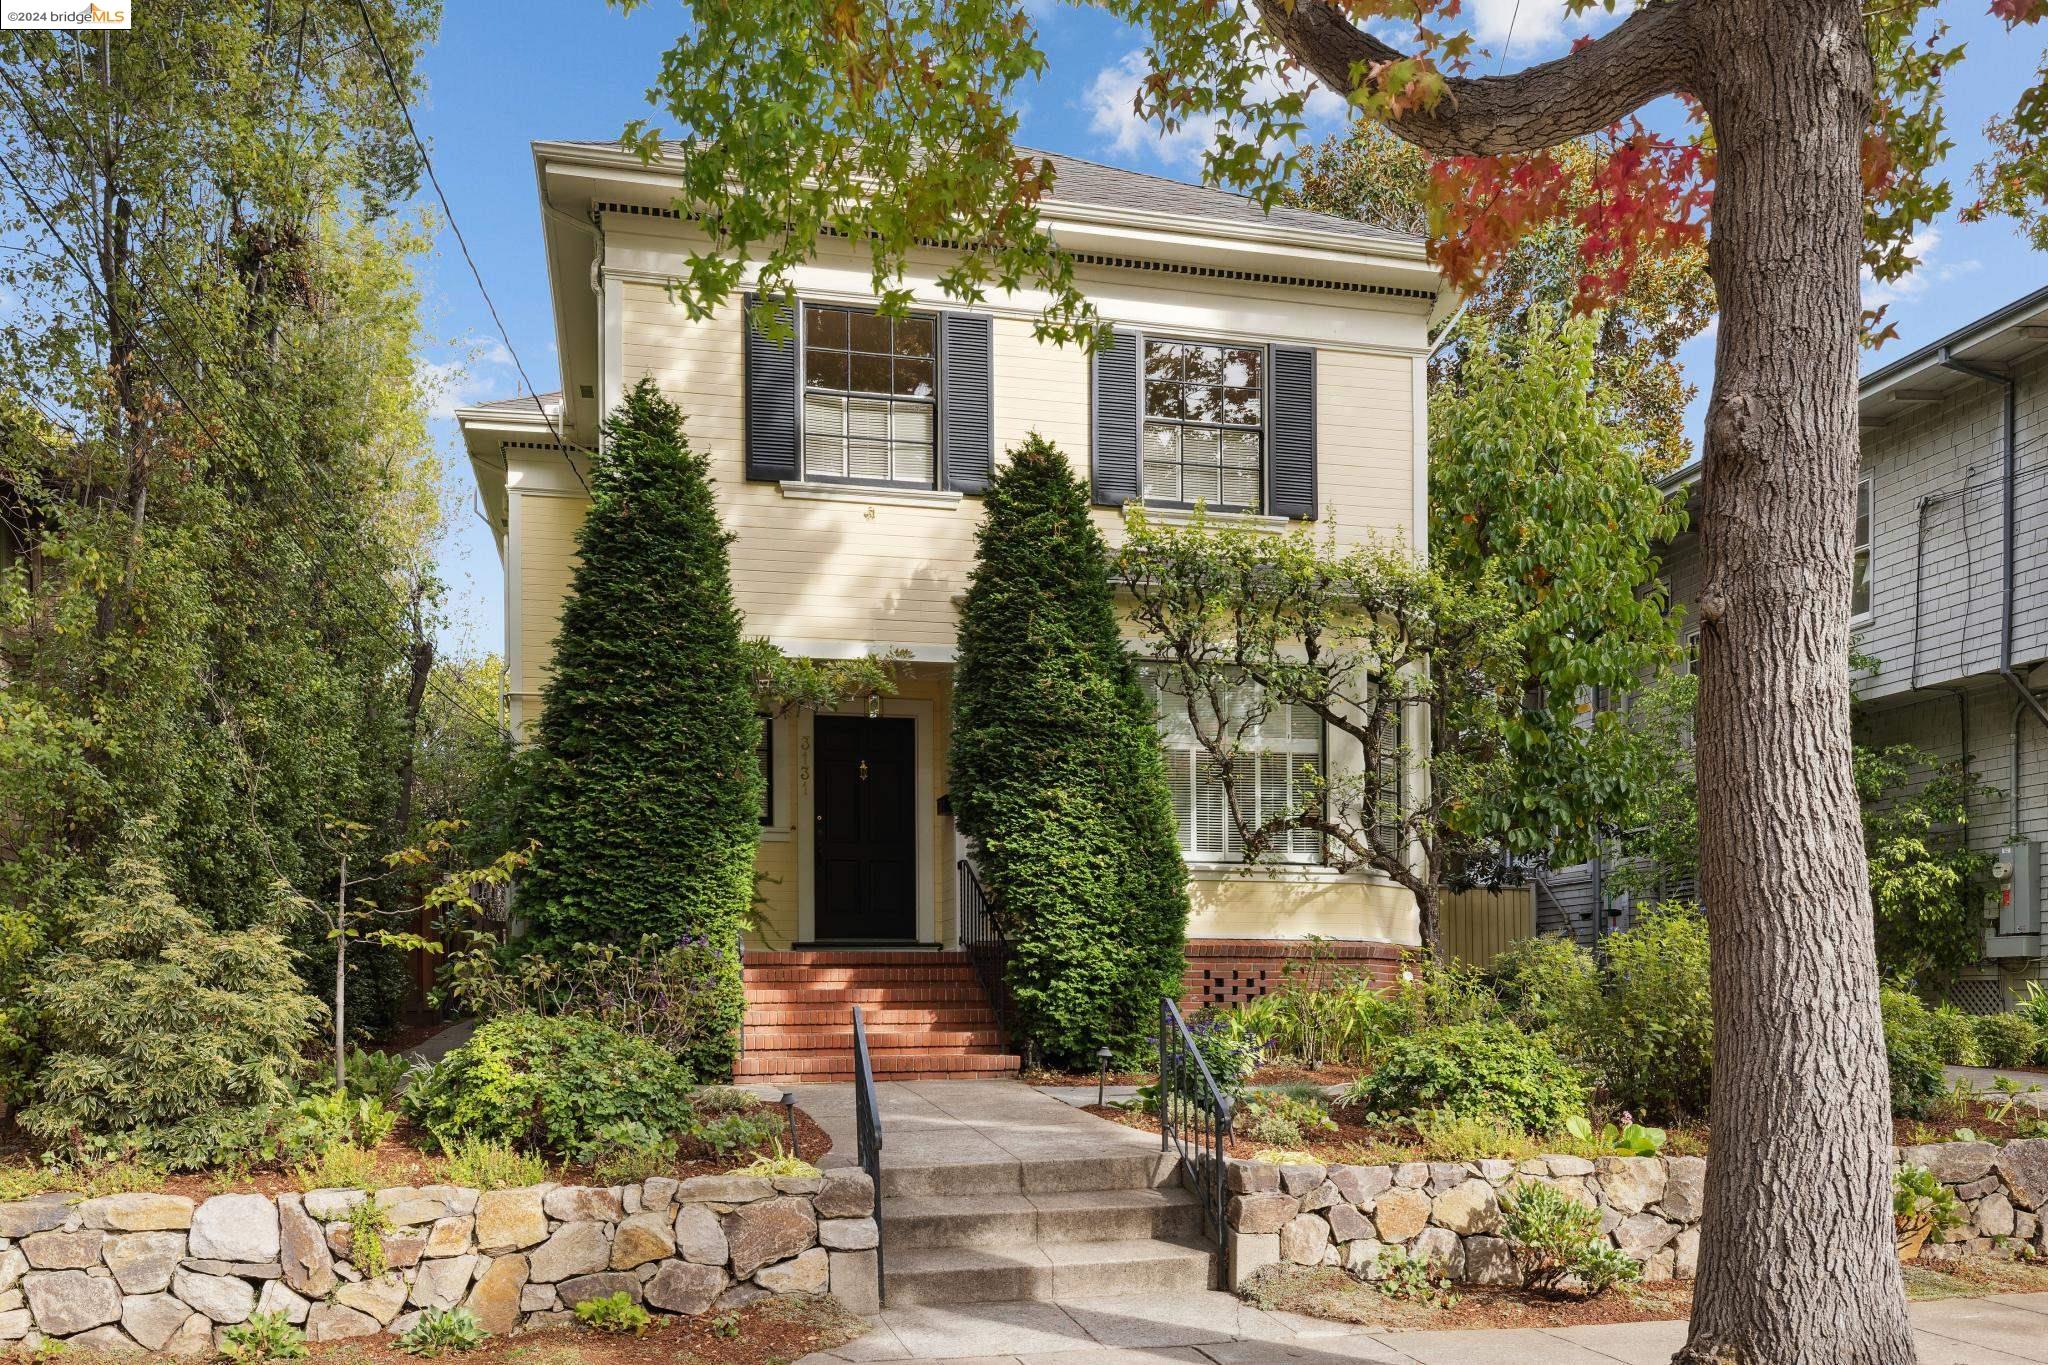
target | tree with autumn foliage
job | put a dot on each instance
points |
(1817, 127)
(1370, 174)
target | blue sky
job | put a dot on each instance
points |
(509, 72)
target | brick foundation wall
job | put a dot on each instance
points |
(1230, 971)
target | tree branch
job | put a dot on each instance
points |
(1649, 54)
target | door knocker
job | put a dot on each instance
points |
(863, 770)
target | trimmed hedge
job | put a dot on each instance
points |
(645, 794)
(1056, 773)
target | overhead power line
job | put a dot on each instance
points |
(448, 211)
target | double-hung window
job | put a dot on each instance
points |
(1279, 760)
(1859, 589)
(1205, 424)
(870, 390)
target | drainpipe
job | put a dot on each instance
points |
(2009, 476)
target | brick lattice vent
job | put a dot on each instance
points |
(1225, 972)
(928, 1017)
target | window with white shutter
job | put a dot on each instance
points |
(1279, 762)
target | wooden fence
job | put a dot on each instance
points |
(1479, 924)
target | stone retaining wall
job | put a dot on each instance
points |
(1448, 1213)
(167, 1273)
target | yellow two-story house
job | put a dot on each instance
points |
(1270, 366)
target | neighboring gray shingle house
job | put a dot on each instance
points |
(1959, 627)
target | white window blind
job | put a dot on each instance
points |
(1277, 764)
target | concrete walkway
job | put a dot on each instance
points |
(1216, 1329)
(2032, 1085)
(967, 1123)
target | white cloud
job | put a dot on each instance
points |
(1112, 116)
(481, 372)
(1928, 270)
(1526, 28)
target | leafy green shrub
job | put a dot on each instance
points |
(1321, 1012)
(739, 1132)
(261, 1337)
(646, 796)
(1954, 1033)
(1557, 1240)
(485, 1165)
(1547, 983)
(1279, 1119)
(1398, 1275)
(1476, 1070)
(438, 1331)
(368, 1221)
(1911, 1053)
(2007, 1040)
(1630, 1139)
(1649, 1035)
(550, 1085)
(2033, 1006)
(653, 989)
(624, 1153)
(326, 1118)
(713, 1100)
(1056, 773)
(1917, 1194)
(613, 1313)
(378, 1075)
(166, 1038)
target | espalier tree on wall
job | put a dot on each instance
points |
(1056, 773)
(645, 794)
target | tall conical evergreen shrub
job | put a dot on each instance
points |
(1056, 773)
(645, 797)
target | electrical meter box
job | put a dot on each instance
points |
(2019, 888)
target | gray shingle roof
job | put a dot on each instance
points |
(520, 406)
(1076, 181)
(1079, 181)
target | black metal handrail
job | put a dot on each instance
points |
(867, 1122)
(1194, 1119)
(981, 938)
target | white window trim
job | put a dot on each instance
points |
(1160, 510)
(871, 494)
(803, 436)
(1220, 865)
(1868, 549)
(1182, 516)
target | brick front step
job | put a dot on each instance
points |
(900, 1064)
(878, 1016)
(825, 957)
(958, 972)
(841, 1040)
(903, 993)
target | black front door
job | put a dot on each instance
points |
(866, 829)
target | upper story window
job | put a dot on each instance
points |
(1859, 588)
(869, 395)
(1205, 417)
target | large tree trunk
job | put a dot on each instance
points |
(1796, 1257)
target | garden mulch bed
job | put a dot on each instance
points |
(1997, 1121)
(400, 1160)
(770, 1332)
(1335, 1295)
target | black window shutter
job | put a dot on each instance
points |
(967, 423)
(772, 451)
(1291, 465)
(1114, 422)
